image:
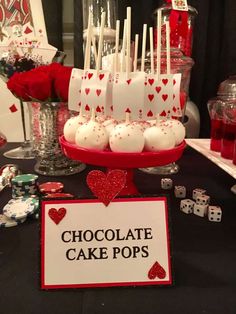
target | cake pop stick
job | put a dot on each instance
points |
(117, 45)
(100, 43)
(128, 42)
(123, 51)
(88, 43)
(168, 48)
(144, 46)
(94, 47)
(136, 52)
(158, 43)
(151, 49)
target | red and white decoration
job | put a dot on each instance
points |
(124, 244)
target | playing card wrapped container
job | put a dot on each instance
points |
(47, 120)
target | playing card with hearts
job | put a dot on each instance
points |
(94, 92)
(74, 98)
(128, 95)
(124, 244)
(162, 96)
(180, 5)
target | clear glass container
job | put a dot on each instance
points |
(96, 7)
(181, 35)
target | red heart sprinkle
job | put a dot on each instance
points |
(158, 89)
(165, 81)
(87, 90)
(90, 75)
(129, 81)
(164, 97)
(151, 81)
(150, 114)
(98, 91)
(57, 215)
(151, 97)
(156, 271)
(101, 76)
(106, 186)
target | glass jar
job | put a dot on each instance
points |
(225, 95)
(181, 24)
(96, 7)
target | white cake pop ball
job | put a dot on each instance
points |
(178, 129)
(126, 138)
(109, 125)
(159, 138)
(71, 127)
(92, 135)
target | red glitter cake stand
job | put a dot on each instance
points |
(123, 161)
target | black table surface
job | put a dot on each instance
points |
(204, 253)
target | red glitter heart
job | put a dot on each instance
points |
(165, 81)
(106, 187)
(98, 92)
(57, 215)
(151, 97)
(158, 89)
(164, 97)
(151, 81)
(156, 271)
(90, 75)
(101, 76)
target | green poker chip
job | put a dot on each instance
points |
(25, 180)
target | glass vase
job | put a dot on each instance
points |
(47, 122)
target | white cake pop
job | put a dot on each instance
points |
(126, 138)
(109, 125)
(159, 138)
(92, 135)
(71, 127)
(178, 129)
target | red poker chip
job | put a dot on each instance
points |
(59, 195)
(51, 187)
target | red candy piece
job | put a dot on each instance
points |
(106, 187)
(57, 215)
(51, 187)
(156, 271)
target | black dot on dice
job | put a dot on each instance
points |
(218, 219)
(198, 210)
(211, 218)
(218, 213)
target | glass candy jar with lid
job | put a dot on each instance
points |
(226, 94)
(181, 26)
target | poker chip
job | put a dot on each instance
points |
(19, 208)
(51, 187)
(24, 180)
(7, 222)
(59, 195)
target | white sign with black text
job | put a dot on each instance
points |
(86, 244)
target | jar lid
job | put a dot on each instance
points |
(228, 87)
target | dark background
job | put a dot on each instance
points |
(214, 48)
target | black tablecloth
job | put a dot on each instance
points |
(204, 254)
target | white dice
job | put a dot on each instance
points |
(200, 210)
(203, 199)
(166, 183)
(197, 192)
(214, 213)
(187, 206)
(180, 191)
